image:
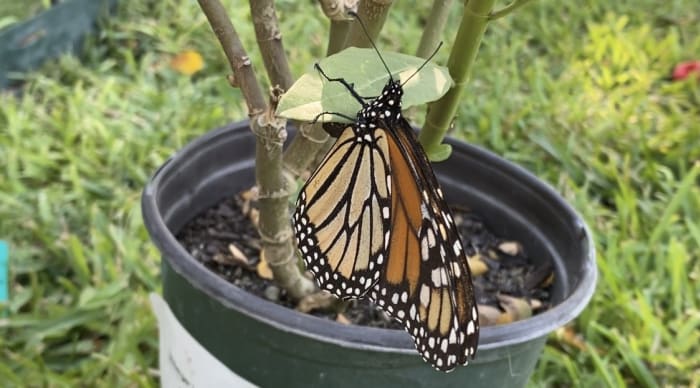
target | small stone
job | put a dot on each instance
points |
(510, 248)
(272, 293)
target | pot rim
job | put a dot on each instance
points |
(353, 336)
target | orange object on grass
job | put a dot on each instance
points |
(187, 62)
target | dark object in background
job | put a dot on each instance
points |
(25, 46)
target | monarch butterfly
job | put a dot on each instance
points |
(371, 221)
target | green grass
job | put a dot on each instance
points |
(574, 91)
(12, 12)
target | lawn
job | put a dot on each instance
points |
(577, 92)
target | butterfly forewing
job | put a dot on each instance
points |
(342, 215)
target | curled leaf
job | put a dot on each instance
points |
(536, 304)
(247, 201)
(312, 94)
(238, 255)
(263, 268)
(341, 318)
(254, 216)
(516, 308)
(548, 281)
(488, 315)
(477, 266)
(251, 194)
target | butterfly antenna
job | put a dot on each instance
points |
(423, 65)
(364, 28)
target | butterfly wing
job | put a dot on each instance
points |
(342, 214)
(426, 282)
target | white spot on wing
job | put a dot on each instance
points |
(425, 295)
(424, 249)
(455, 269)
(457, 247)
(431, 237)
(470, 328)
(436, 277)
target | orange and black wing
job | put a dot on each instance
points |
(372, 221)
(425, 282)
(342, 214)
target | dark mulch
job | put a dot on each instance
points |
(207, 237)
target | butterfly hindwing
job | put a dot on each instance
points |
(425, 283)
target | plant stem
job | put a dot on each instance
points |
(464, 51)
(430, 39)
(274, 226)
(302, 151)
(373, 13)
(337, 12)
(269, 38)
(243, 73)
(311, 137)
(433, 27)
(507, 9)
(337, 36)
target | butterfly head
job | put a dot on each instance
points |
(387, 106)
(391, 94)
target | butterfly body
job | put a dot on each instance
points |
(371, 222)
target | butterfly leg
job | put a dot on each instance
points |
(331, 113)
(345, 83)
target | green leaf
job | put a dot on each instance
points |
(312, 94)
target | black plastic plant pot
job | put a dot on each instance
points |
(269, 345)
